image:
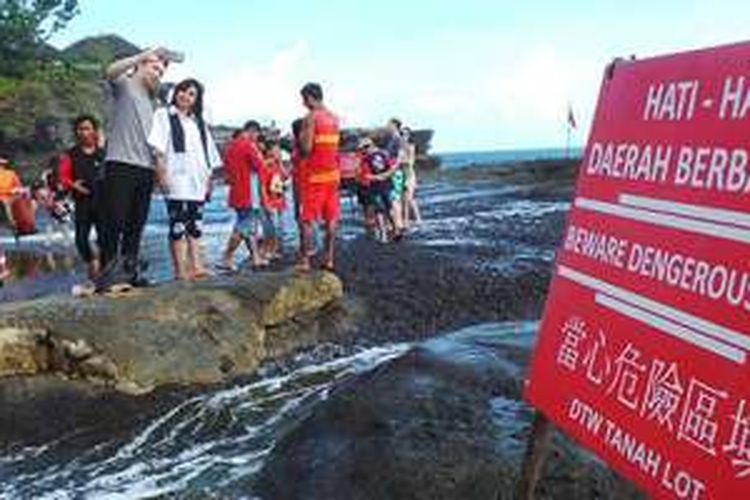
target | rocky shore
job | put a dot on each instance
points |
(111, 350)
(444, 420)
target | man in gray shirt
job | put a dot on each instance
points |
(129, 170)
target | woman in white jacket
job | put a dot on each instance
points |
(185, 156)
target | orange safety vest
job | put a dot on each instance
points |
(322, 164)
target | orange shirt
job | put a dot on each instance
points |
(9, 182)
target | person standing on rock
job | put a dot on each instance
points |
(395, 149)
(129, 170)
(241, 158)
(79, 171)
(377, 173)
(273, 200)
(319, 185)
(410, 210)
(185, 157)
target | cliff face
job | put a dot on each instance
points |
(177, 334)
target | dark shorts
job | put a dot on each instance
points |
(381, 196)
(184, 219)
(363, 195)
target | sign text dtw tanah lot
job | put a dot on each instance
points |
(643, 350)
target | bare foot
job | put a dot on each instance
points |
(201, 274)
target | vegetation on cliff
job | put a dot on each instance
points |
(42, 88)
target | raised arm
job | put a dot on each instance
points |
(122, 66)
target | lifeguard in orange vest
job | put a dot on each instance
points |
(319, 180)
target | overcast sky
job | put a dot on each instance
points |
(484, 74)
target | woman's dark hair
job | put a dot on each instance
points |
(197, 112)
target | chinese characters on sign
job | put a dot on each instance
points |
(647, 324)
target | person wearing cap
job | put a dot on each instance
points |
(319, 187)
(133, 83)
(377, 171)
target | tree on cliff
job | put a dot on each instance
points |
(25, 26)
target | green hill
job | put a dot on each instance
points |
(99, 48)
(36, 110)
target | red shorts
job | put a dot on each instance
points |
(319, 202)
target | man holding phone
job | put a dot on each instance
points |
(133, 83)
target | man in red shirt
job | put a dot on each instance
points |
(319, 185)
(241, 158)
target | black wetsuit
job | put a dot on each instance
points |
(87, 167)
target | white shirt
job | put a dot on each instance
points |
(188, 173)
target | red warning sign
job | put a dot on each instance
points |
(644, 350)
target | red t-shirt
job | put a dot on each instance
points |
(241, 156)
(275, 202)
(362, 170)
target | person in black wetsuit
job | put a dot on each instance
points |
(80, 175)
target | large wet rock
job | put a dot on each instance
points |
(444, 421)
(177, 334)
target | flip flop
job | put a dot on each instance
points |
(119, 290)
(223, 268)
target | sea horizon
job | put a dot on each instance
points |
(458, 159)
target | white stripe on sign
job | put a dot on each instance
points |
(671, 328)
(720, 215)
(696, 323)
(660, 219)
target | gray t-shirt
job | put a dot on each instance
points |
(131, 115)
